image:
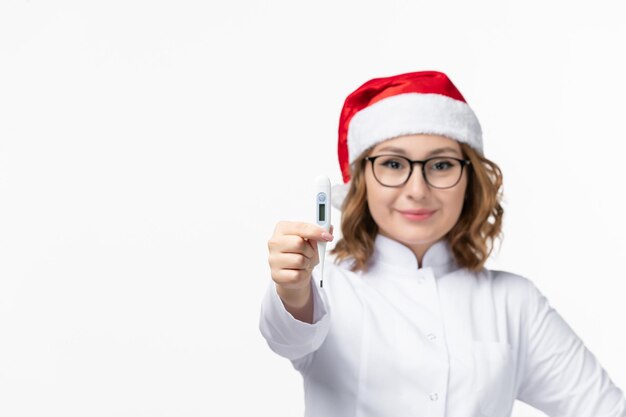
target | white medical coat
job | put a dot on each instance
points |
(441, 341)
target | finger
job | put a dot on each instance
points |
(304, 230)
(309, 248)
(291, 278)
(290, 261)
(291, 244)
(315, 259)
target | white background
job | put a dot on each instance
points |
(147, 149)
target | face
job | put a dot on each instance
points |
(394, 209)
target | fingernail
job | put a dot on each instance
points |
(327, 236)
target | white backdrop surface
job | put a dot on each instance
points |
(147, 149)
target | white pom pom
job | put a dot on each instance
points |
(338, 194)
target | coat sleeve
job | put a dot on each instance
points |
(561, 377)
(287, 336)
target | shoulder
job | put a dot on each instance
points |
(517, 287)
(510, 293)
(507, 279)
(514, 287)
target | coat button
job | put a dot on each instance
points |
(434, 396)
(431, 336)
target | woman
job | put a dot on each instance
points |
(409, 322)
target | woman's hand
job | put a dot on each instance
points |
(293, 253)
(292, 257)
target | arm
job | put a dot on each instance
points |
(299, 303)
(294, 318)
(285, 334)
(561, 376)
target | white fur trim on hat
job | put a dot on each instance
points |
(413, 113)
(338, 194)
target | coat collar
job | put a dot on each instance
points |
(391, 253)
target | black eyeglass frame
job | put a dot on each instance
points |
(463, 163)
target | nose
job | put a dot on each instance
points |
(416, 186)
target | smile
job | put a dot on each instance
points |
(416, 215)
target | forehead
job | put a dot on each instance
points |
(419, 145)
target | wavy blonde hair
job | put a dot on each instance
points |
(472, 237)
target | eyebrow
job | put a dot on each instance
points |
(431, 153)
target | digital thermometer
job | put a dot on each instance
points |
(322, 216)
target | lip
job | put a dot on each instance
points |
(417, 212)
(421, 214)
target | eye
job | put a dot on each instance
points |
(392, 163)
(442, 164)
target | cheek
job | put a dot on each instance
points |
(379, 200)
(455, 201)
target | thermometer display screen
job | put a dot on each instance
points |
(321, 212)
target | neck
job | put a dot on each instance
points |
(418, 249)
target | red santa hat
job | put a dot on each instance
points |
(413, 103)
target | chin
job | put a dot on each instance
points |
(419, 242)
(417, 238)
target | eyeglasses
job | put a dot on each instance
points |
(395, 170)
